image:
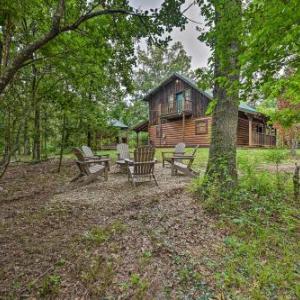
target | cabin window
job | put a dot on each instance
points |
(171, 102)
(259, 129)
(187, 95)
(201, 127)
(158, 131)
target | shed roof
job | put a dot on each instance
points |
(118, 124)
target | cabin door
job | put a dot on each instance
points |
(179, 102)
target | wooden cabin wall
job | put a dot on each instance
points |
(172, 129)
(172, 133)
(243, 132)
(199, 101)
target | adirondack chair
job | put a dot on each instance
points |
(89, 155)
(186, 168)
(142, 166)
(91, 168)
(123, 154)
(167, 156)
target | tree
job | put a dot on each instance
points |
(155, 64)
(224, 37)
(67, 17)
(67, 80)
(271, 60)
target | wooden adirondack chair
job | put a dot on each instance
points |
(91, 168)
(167, 156)
(123, 154)
(178, 164)
(89, 155)
(142, 166)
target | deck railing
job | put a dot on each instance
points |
(262, 139)
(175, 109)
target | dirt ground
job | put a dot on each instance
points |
(107, 240)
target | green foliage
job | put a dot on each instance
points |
(204, 78)
(260, 217)
(84, 75)
(271, 35)
(50, 286)
(99, 235)
(98, 275)
(154, 65)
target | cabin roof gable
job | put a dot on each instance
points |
(175, 75)
(242, 107)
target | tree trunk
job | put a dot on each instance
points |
(221, 169)
(26, 140)
(294, 144)
(62, 143)
(296, 182)
(89, 137)
(36, 153)
(45, 136)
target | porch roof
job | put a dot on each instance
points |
(143, 126)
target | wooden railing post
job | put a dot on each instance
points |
(250, 131)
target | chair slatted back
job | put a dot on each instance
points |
(144, 154)
(193, 154)
(80, 157)
(123, 151)
(179, 148)
(87, 151)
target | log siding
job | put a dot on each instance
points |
(168, 129)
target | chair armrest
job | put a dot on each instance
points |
(143, 162)
(88, 162)
(104, 155)
(182, 157)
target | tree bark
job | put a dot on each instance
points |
(62, 143)
(221, 169)
(26, 140)
(36, 151)
(296, 182)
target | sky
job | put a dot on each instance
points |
(194, 48)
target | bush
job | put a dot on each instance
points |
(261, 251)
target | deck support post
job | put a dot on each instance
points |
(183, 126)
(250, 131)
(137, 138)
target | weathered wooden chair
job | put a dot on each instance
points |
(167, 156)
(123, 154)
(91, 168)
(178, 164)
(90, 155)
(142, 166)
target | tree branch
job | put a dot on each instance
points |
(26, 53)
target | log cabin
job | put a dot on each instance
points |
(177, 113)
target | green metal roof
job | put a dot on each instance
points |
(246, 108)
(208, 93)
(118, 123)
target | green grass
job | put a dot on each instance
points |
(259, 155)
(261, 252)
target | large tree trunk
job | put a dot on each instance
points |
(221, 169)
